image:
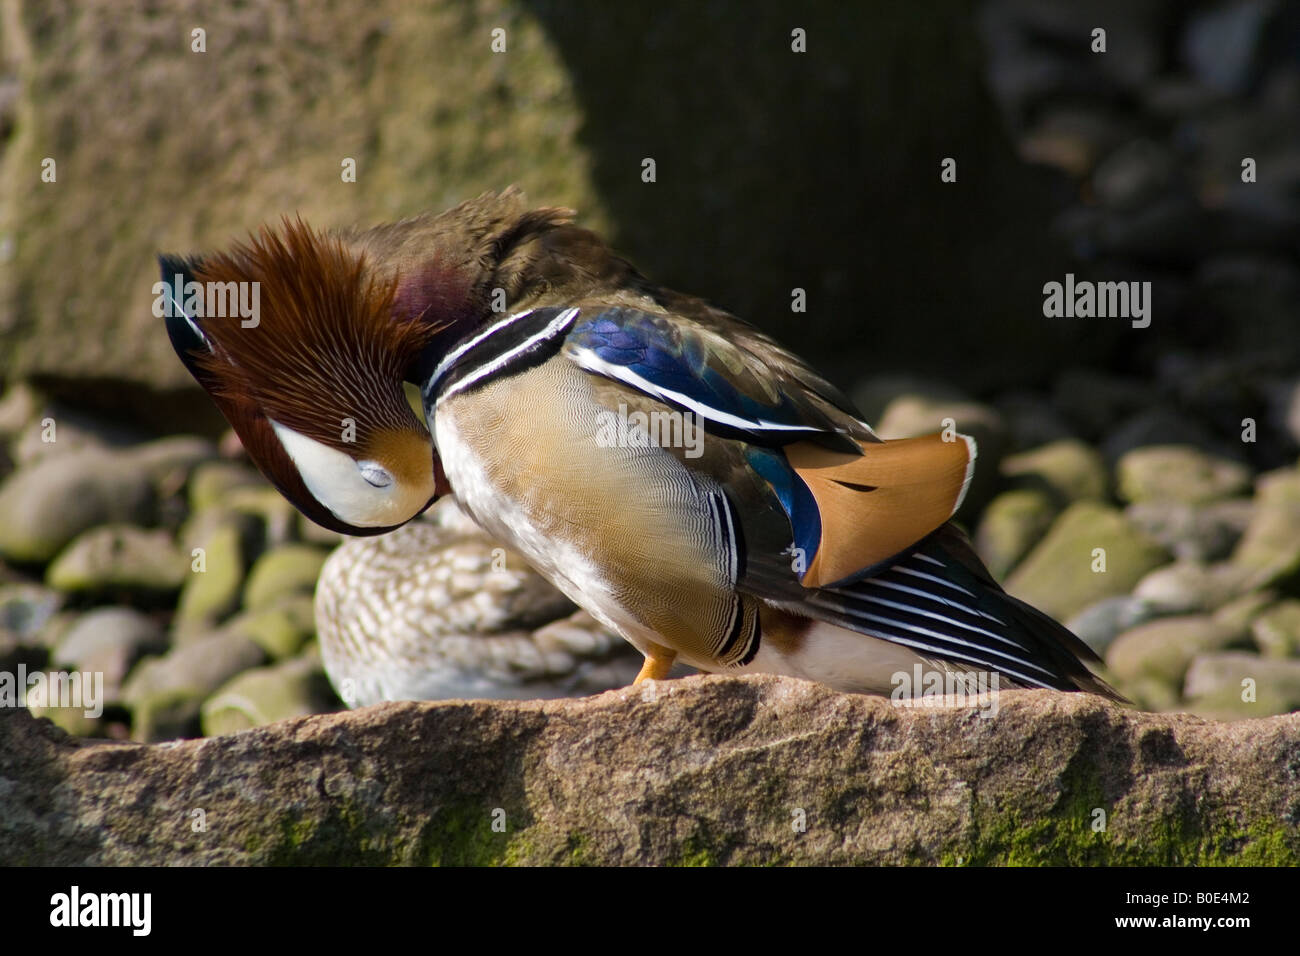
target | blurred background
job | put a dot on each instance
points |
(1169, 450)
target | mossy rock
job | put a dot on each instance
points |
(1090, 553)
(286, 570)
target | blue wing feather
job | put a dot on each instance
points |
(693, 369)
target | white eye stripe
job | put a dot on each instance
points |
(363, 494)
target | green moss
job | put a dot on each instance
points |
(1064, 835)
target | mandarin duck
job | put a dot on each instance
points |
(438, 610)
(698, 489)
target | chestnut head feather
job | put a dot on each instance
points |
(310, 376)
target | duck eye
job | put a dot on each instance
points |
(375, 474)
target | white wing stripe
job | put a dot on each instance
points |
(587, 359)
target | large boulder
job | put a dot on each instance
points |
(702, 770)
(161, 148)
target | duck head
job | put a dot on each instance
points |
(304, 347)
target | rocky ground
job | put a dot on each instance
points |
(655, 776)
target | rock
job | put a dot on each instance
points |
(109, 641)
(119, 557)
(1271, 545)
(874, 395)
(309, 532)
(1204, 533)
(1154, 695)
(45, 505)
(281, 571)
(1277, 630)
(1095, 400)
(1031, 420)
(1011, 525)
(1058, 576)
(280, 628)
(165, 693)
(1186, 587)
(909, 416)
(1163, 649)
(26, 608)
(20, 405)
(1240, 613)
(1097, 625)
(212, 481)
(1157, 426)
(1133, 174)
(265, 695)
(59, 428)
(116, 205)
(212, 593)
(1221, 686)
(1068, 469)
(201, 526)
(1222, 45)
(1179, 473)
(711, 770)
(26, 611)
(278, 518)
(170, 461)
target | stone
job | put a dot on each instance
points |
(1031, 419)
(119, 557)
(20, 405)
(211, 594)
(264, 695)
(874, 395)
(1187, 587)
(1277, 629)
(709, 770)
(60, 428)
(281, 571)
(1068, 469)
(1095, 400)
(170, 461)
(1179, 473)
(109, 640)
(1133, 174)
(1097, 625)
(116, 205)
(1058, 575)
(1158, 426)
(278, 518)
(280, 628)
(1203, 533)
(910, 415)
(26, 608)
(1271, 544)
(1163, 649)
(45, 505)
(212, 481)
(1240, 613)
(1011, 525)
(165, 693)
(1219, 686)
